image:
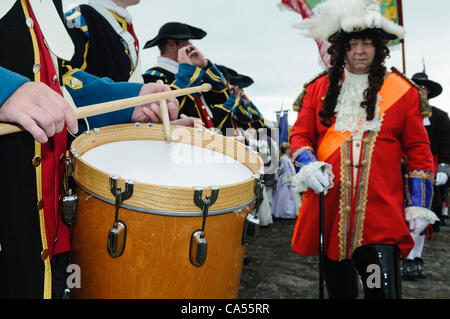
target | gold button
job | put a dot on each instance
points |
(44, 254)
(30, 23)
(36, 161)
(40, 204)
(358, 145)
(36, 68)
(74, 82)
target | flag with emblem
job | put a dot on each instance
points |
(391, 9)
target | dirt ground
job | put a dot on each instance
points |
(274, 272)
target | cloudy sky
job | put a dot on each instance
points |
(256, 38)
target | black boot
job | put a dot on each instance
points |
(409, 270)
(341, 279)
(419, 267)
(379, 268)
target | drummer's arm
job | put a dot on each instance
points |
(35, 106)
(87, 89)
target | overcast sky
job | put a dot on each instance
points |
(256, 38)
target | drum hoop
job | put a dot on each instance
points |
(98, 181)
(171, 213)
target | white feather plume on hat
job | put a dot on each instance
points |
(349, 16)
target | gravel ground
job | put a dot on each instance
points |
(274, 272)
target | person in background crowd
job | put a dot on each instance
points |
(183, 65)
(438, 129)
(286, 201)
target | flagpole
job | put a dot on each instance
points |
(402, 41)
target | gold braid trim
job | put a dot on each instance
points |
(420, 174)
(369, 144)
(299, 100)
(425, 108)
(344, 199)
(47, 278)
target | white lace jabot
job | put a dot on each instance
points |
(350, 115)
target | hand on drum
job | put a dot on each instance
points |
(39, 110)
(189, 121)
(151, 112)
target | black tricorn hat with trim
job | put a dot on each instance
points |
(235, 78)
(176, 30)
(421, 78)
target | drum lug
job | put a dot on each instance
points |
(198, 248)
(251, 224)
(70, 201)
(116, 239)
(199, 245)
(117, 234)
(69, 211)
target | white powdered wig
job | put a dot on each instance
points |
(349, 16)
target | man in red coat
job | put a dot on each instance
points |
(355, 124)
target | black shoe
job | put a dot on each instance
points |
(409, 270)
(419, 266)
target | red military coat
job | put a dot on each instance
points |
(375, 214)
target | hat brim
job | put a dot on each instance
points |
(242, 81)
(434, 88)
(193, 33)
(235, 78)
(362, 33)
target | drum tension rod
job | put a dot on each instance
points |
(199, 245)
(117, 234)
(251, 224)
(70, 200)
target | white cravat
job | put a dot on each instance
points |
(350, 115)
(111, 5)
(167, 64)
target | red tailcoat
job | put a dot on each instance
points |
(376, 213)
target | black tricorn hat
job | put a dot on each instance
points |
(176, 30)
(422, 79)
(235, 78)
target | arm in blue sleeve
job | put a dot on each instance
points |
(10, 82)
(87, 89)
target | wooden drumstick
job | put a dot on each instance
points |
(165, 115)
(106, 107)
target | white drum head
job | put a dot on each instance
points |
(167, 164)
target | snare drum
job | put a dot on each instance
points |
(161, 220)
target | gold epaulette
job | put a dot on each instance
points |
(299, 100)
(425, 108)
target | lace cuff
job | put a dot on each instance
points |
(415, 212)
(299, 179)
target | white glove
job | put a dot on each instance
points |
(417, 225)
(441, 179)
(318, 181)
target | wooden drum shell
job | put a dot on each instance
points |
(155, 263)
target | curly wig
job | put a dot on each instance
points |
(339, 46)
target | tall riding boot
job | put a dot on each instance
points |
(379, 268)
(340, 279)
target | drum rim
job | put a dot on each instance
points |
(239, 194)
(137, 209)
